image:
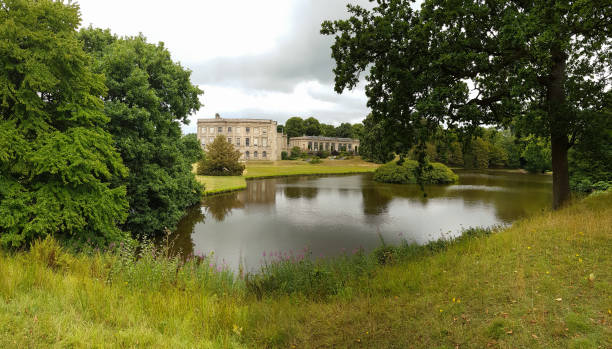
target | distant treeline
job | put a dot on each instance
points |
(296, 127)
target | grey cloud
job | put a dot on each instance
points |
(301, 55)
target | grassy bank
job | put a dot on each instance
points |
(269, 169)
(221, 184)
(264, 169)
(544, 282)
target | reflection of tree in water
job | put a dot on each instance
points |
(296, 192)
(219, 206)
(180, 239)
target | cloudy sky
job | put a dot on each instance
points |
(263, 59)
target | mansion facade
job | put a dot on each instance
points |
(258, 139)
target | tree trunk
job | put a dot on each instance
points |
(559, 128)
(561, 191)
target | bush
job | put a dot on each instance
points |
(296, 152)
(406, 173)
(315, 160)
(584, 185)
(221, 159)
(284, 155)
(322, 154)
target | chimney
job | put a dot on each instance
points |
(217, 116)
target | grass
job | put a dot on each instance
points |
(265, 169)
(525, 286)
(268, 169)
(221, 184)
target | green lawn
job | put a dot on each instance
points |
(262, 169)
(545, 282)
(221, 184)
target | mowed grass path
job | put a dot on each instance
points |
(528, 286)
(266, 169)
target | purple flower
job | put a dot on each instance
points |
(264, 253)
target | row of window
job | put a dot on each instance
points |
(330, 146)
(257, 142)
(230, 129)
(247, 155)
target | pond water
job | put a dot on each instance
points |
(338, 214)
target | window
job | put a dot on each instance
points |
(220, 129)
(255, 131)
(255, 142)
(247, 129)
(309, 145)
(246, 142)
(350, 146)
(326, 146)
(212, 130)
(255, 154)
(316, 145)
(229, 140)
(264, 131)
(263, 155)
(332, 147)
(238, 141)
(229, 130)
(246, 154)
(264, 142)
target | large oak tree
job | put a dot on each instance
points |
(543, 65)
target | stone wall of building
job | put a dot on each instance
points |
(256, 139)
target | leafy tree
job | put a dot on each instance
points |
(543, 64)
(149, 96)
(358, 130)
(327, 130)
(56, 160)
(296, 152)
(294, 127)
(537, 155)
(222, 159)
(280, 128)
(345, 130)
(312, 127)
(372, 145)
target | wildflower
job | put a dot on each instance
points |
(458, 300)
(441, 310)
(581, 233)
(577, 255)
(547, 272)
(579, 260)
(529, 247)
(264, 253)
(454, 300)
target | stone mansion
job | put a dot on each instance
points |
(258, 139)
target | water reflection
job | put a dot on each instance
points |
(345, 212)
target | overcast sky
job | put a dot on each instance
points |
(260, 59)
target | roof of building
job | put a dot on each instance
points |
(321, 138)
(213, 120)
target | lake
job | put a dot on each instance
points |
(338, 214)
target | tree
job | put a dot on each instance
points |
(149, 96)
(358, 130)
(56, 160)
(372, 145)
(294, 127)
(221, 159)
(345, 130)
(327, 130)
(537, 155)
(541, 63)
(312, 127)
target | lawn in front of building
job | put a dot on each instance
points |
(264, 169)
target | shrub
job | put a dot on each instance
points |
(296, 152)
(322, 154)
(315, 160)
(221, 159)
(284, 155)
(406, 173)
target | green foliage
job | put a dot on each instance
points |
(345, 130)
(327, 130)
(294, 127)
(406, 173)
(373, 146)
(59, 172)
(541, 66)
(537, 156)
(312, 127)
(296, 152)
(315, 160)
(222, 159)
(323, 154)
(149, 96)
(284, 155)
